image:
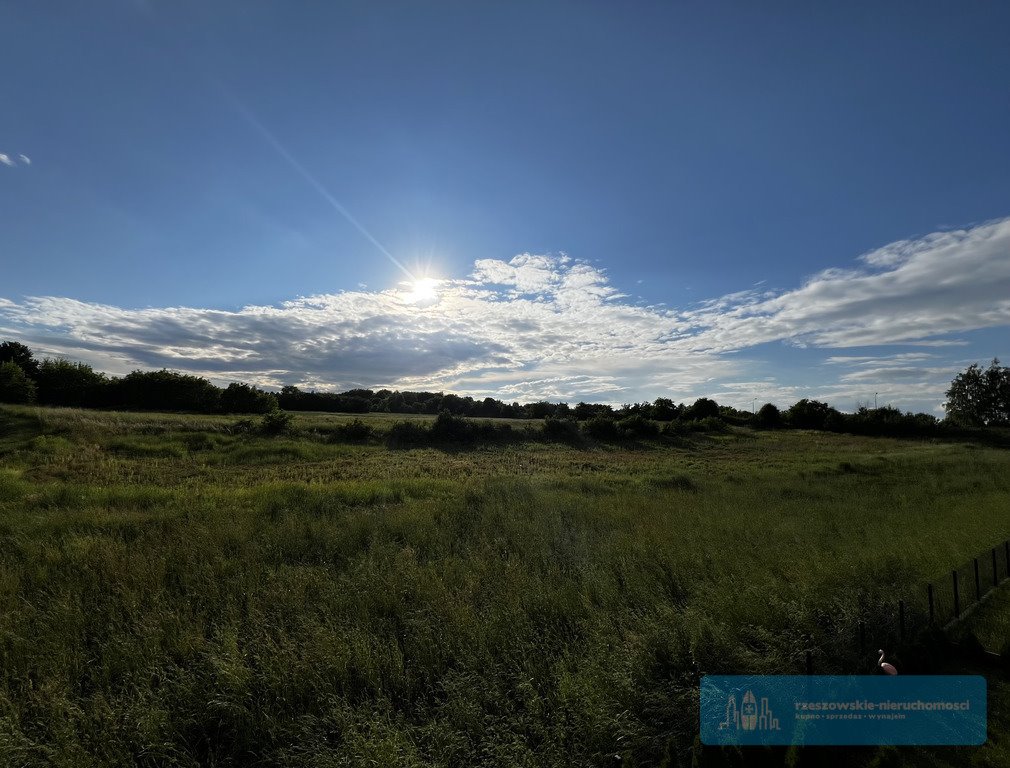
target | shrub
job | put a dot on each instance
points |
(355, 431)
(242, 427)
(638, 426)
(276, 422)
(601, 428)
(565, 430)
(708, 424)
(448, 428)
(675, 429)
(407, 433)
(15, 386)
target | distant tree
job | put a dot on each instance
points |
(16, 352)
(980, 397)
(452, 404)
(702, 408)
(663, 409)
(592, 410)
(166, 390)
(15, 385)
(768, 416)
(62, 382)
(242, 398)
(809, 414)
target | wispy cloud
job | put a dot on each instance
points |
(907, 292)
(552, 326)
(13, 162)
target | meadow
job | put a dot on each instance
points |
(184, 590)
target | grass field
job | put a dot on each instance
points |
(178, 591)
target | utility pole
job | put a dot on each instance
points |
(874, 401)
(753, 405)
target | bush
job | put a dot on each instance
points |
(708, 424)
(15, 385)
(448, 428)
(242, 427)
(601, 428)
(565, 430)
(675, 429)
(276, 422)
(355, 431)
(638, 426)
(407, 433)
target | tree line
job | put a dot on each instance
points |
(977, 398)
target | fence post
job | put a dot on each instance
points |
(994, 579)
(901, 621)
(929, 596)
(957, 596)
(978, 584)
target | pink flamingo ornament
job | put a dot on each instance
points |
(887, 669)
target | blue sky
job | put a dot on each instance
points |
(615, 202)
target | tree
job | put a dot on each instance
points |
(15, 386)
(663, 409)
(166, 390)
(980, 397)
(241, 398)
(768, 416)
(62, 382)
(809, 414)
(702, 408)
(18, 353)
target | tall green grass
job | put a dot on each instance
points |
(197, 597)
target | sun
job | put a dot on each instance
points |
(423, 291)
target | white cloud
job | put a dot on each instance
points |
(943, 283)
(541, 326)
(12, 162)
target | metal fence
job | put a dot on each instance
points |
(901, 622)
(956, 595)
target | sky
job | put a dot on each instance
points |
(526, 200)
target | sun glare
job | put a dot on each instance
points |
(423, 291)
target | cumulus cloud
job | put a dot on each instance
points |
(543, 326)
